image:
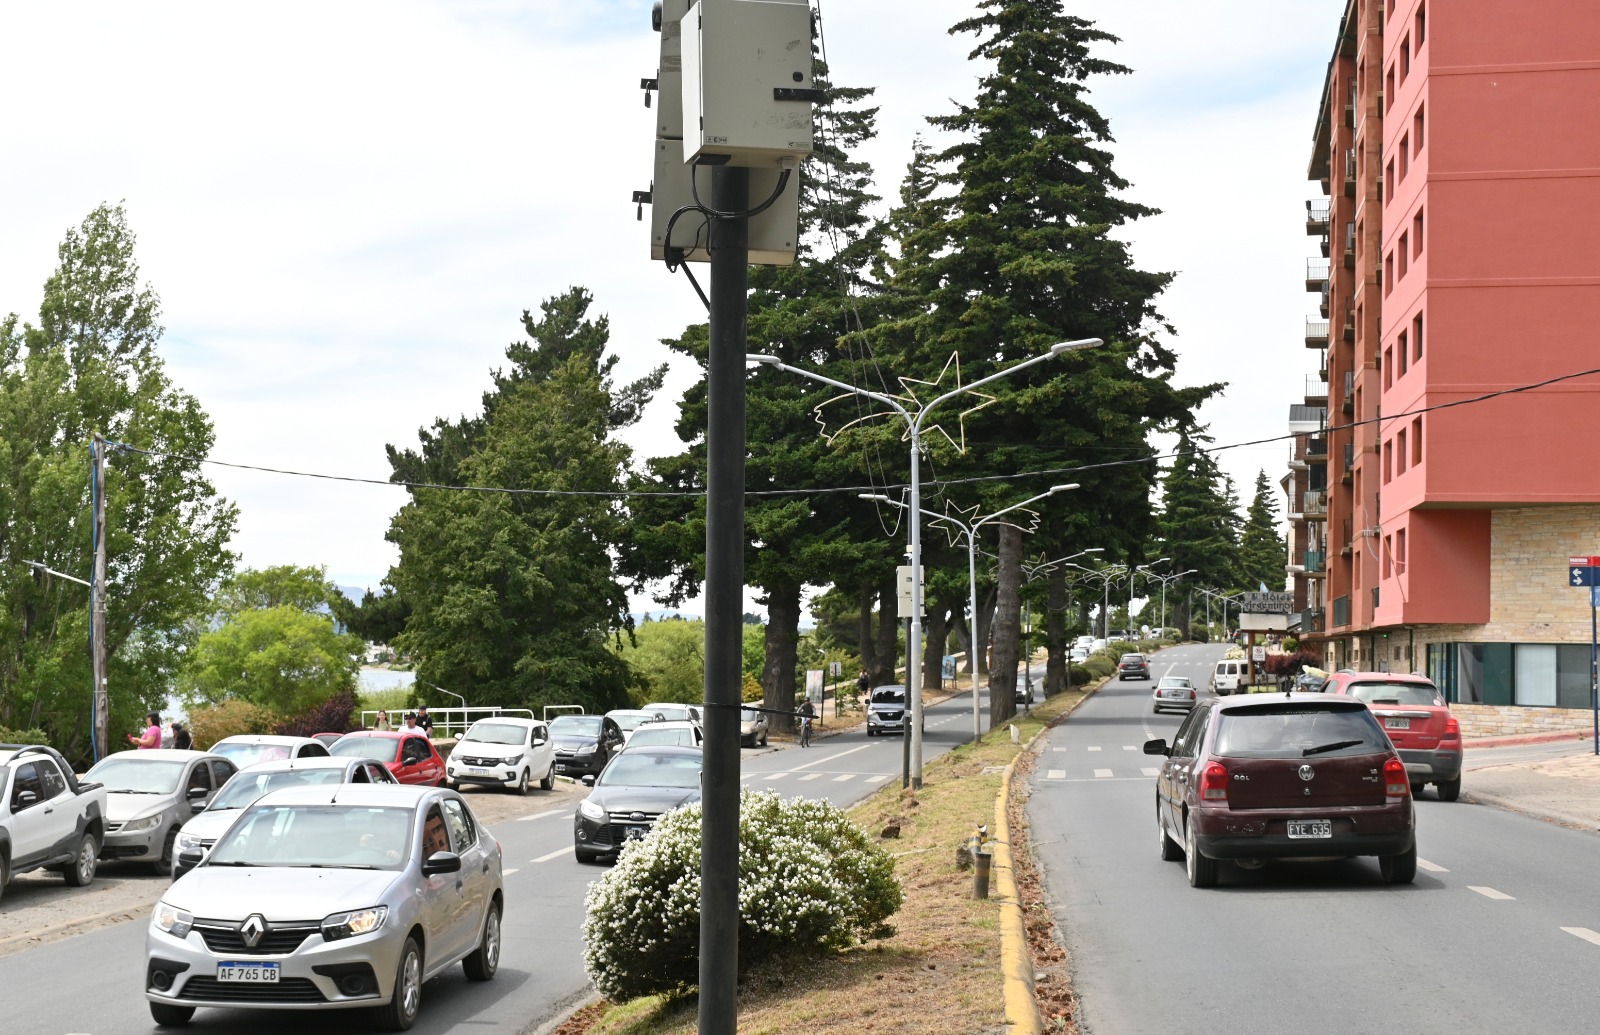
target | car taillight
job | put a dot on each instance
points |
(1214, 783)
(1395, 781)
(1452, 730)
(1191, 695)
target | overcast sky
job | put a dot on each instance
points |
(345, 206)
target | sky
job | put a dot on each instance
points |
(345, 207)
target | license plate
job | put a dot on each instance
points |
(476, 769)
(633, 833)
(1311, 828)
(1397, 724)
(248, 973)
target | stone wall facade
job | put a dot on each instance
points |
(1487, 720)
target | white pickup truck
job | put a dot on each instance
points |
(47, 818)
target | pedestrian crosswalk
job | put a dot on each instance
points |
(802, 777)
(1065, 769)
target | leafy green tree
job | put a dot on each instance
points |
(1261, 546)
(285, 585)
(377, 618)
(1199, 521)
(279, 657)
(92, 364)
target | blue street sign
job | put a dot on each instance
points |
(1594, 595)
(1584, 576)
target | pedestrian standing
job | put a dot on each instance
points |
(180, 736)
(424, 721)
(151, 737)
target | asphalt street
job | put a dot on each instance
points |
(1498, 933)
(91, 984)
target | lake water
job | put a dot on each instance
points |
(375, 679)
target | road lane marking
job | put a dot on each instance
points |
(1114, 779)
(540, 815)
(1431, 867)
(842, 777)
(879, 778)
(1584, 933)
(553, 855)
(1101, 774)
(812, 776)
(773, 777)
(1056, 774)
(830, 758)
(1150, 772)
(1095, 748)
(1129, 747)
(507, 873)
(1058, 749)
(1498, 896)
(747, 776)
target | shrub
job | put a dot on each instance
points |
(810, 881)
(29, 736)
(335, 715)
(1099, 667)
(1079, 675)
(1199, 633)
(229, 719)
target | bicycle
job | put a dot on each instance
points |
(805, 731)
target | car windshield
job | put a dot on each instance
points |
(1396, 693)
(243, 754)
(672, 736)
(1173, 681)
(632, 720)
(245, 788)
(671, 712)
(575, 726)
(648, 770)
(1289, 731)
(126, 773)
(888, 695)
(749, 715)
(381, 748)
(497, 733)
(338, 836)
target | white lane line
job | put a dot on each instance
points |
(1095, 748)
(553, 855)
(1498, 896)
(812, 776)
(842, 777)
(830, 758)
(1114, 779)
(879, 778)
(507, 873)
(1055, 774)
(1584, 933)
(747, 776)
(1129, 747)
(1101, 774)
(1058, 749)
(1150, 772)
(540, 815)
(1431, 867)
(774, 777)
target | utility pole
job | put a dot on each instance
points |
(100, 736)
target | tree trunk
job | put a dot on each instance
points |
(963, 634)
(869, 650)
(1055, 625)
(888, 653)
(1007, 628)
(777, 674)
(985, 632)
(933, 644)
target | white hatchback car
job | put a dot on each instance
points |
(504, 751)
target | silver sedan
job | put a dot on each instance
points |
(1175, 692)
(324, 898)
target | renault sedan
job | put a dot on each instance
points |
(329, 898)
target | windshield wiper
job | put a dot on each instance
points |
(130, 790)
(231, 862)
(1336, 745)
(340, 866)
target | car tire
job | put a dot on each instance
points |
(401, 1012)
(482, 962)
(5, 875)
(586, 858)
(451, 785)
(763, 738)
(1202, 872)
(1449, 790)
(522, 783)
(80, 871)
(870, 733)
(1154, 710)
(1171, 851)
(163, 865)
(1399, 869)
(548, 782)
(167, 1015)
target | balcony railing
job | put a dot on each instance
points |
(1314, 503)
(1316, 390)
(1317, 216)
(1317, 451)
(1341, 612)
(1316, 330)
(1349, 320)
(1311, 622)
(1350, 245)
(1349, 456)
(1316, 274)
(1348, 403)
(1323, 306)
(1314, 560)
(1350, 173)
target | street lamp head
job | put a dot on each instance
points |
(1074, 346)
(757, 357)
(1062, 488)
(1095, 549)
(876, 497)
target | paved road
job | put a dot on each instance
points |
(1497, 934)
(92, 984)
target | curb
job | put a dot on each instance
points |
(75, 926)
(1513, 739)
(1514, 805)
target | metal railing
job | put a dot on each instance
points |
(1350, 164)
(1316, 274)
(1314, 502)
(1349, 456)
(1341, 611)
(1316, 333)
(1311, 621)
(447, 722)
(1317, 210)
(1316, 388)
(1314, 560)
(1317, 447)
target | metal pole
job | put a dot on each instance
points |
(905, 717)
(972, 623)
(1163, 631)
(1105, 611)
(1594, 666)
(914, 637)
(724, 602)
(100, 736)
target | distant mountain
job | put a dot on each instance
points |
(355, 593)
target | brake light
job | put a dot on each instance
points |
(1396, 783)
(1214, 783)
(1191, 695)
(1452, 730)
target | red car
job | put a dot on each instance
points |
(1283, 776)
(409, 755)
(1418, 722)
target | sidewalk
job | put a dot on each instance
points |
(1558, 790)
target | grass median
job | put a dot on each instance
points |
(938, 973)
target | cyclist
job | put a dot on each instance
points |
(807, 713)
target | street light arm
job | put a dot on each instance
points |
(878, 497)
(1018, 506)
(39, 566)
(887, 400)
(1055, 350)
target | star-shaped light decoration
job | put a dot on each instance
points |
(1024, 519)
(913, 404)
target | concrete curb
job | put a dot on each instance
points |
(1516, 805)
(1513, 739)
(77, 925)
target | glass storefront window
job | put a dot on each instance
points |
(1572, 676)
(1536, 674)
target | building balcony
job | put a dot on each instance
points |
(1316, 330)
(1315, 563)
(1316, 216)
(1316, 274)
(1316, 390)
(1348, 403)
(1314, 504)
(1311, 622)
(1341, 612)
(1350, 173)
(1347, 539)
(1323, 306)
(1350, 245)
(1317, 451)
(1349, 321)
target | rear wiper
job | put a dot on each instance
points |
(1336, 745)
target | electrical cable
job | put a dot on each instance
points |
(777, 192)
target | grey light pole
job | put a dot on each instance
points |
(1164, 580)
(914, 432)
(99, 737)
(1132, 574)
(1107, 575)
(970, 530)
(1031, 573)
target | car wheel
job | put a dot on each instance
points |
(522, 782)
(1155, 710)
(401, 1012)
(163, 865)
(485, 959)
(168, 1016)
(1449, 790)
(1170, 850)
(1399, 869)
(548, 783)
(80, 871)
(763, 738)
(451, 785)
(585, 858)
(5, 875)
(1202, 871)
(870, 733)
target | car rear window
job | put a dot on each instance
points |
(1395, 693)
(1297, 731)
(1133, 659)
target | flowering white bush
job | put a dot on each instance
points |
(809, 880)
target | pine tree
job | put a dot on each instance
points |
(1199, 521)
(1261, 545)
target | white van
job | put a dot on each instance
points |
(1230, 675)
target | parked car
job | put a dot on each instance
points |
(1283, 776)
(753, 727)
(507, 751)
(47, 817)
(584, 743)
(666, 734)
(1133, 666)
(1419, 724)
(202, 831)
(250, 748)
(886, 710)
(408, 754)
(329, 898)
(672, 712)
(326, 739)
(150, 794)
(1095, 645)
(1174, 692)
(636, 789)
(630, 719)
(1230, 676)
(1078, 655)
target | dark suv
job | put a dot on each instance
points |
(1283, 776)
(1414, 715)
(1133, 666)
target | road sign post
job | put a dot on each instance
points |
(1581, 572)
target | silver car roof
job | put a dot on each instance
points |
(399, 795)
(278, 765)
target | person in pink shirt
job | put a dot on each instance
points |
(151, 737)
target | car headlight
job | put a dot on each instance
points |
(169, 919)
(587, 749)
(589, 810)
(353, 923)
(190, 843)
(147, 823)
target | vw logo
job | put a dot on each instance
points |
(637, 817)
(252, 930)
(1306, 772)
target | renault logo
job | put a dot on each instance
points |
(1306, 772)
(252, 930)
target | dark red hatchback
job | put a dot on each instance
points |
(1283, 776)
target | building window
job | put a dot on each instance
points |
(1388, 273)
(1388, 462)
(1388, 369)
(1404, 252)
(1416, 441)
(1416, 336)
(1389, 179)
(1422, 24)
(1405, 58)
(1388, 89)
(1400, 452)
(1416, 234)
(1417, 124)
(1388, 552)
(1400, 552)
(1405, 156)
(1400, 350)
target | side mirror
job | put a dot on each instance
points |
(1157, 747)
(198, 793)
(441, 862)
(539, 741)
(23, 799)
(588, 779)
(197, 806)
